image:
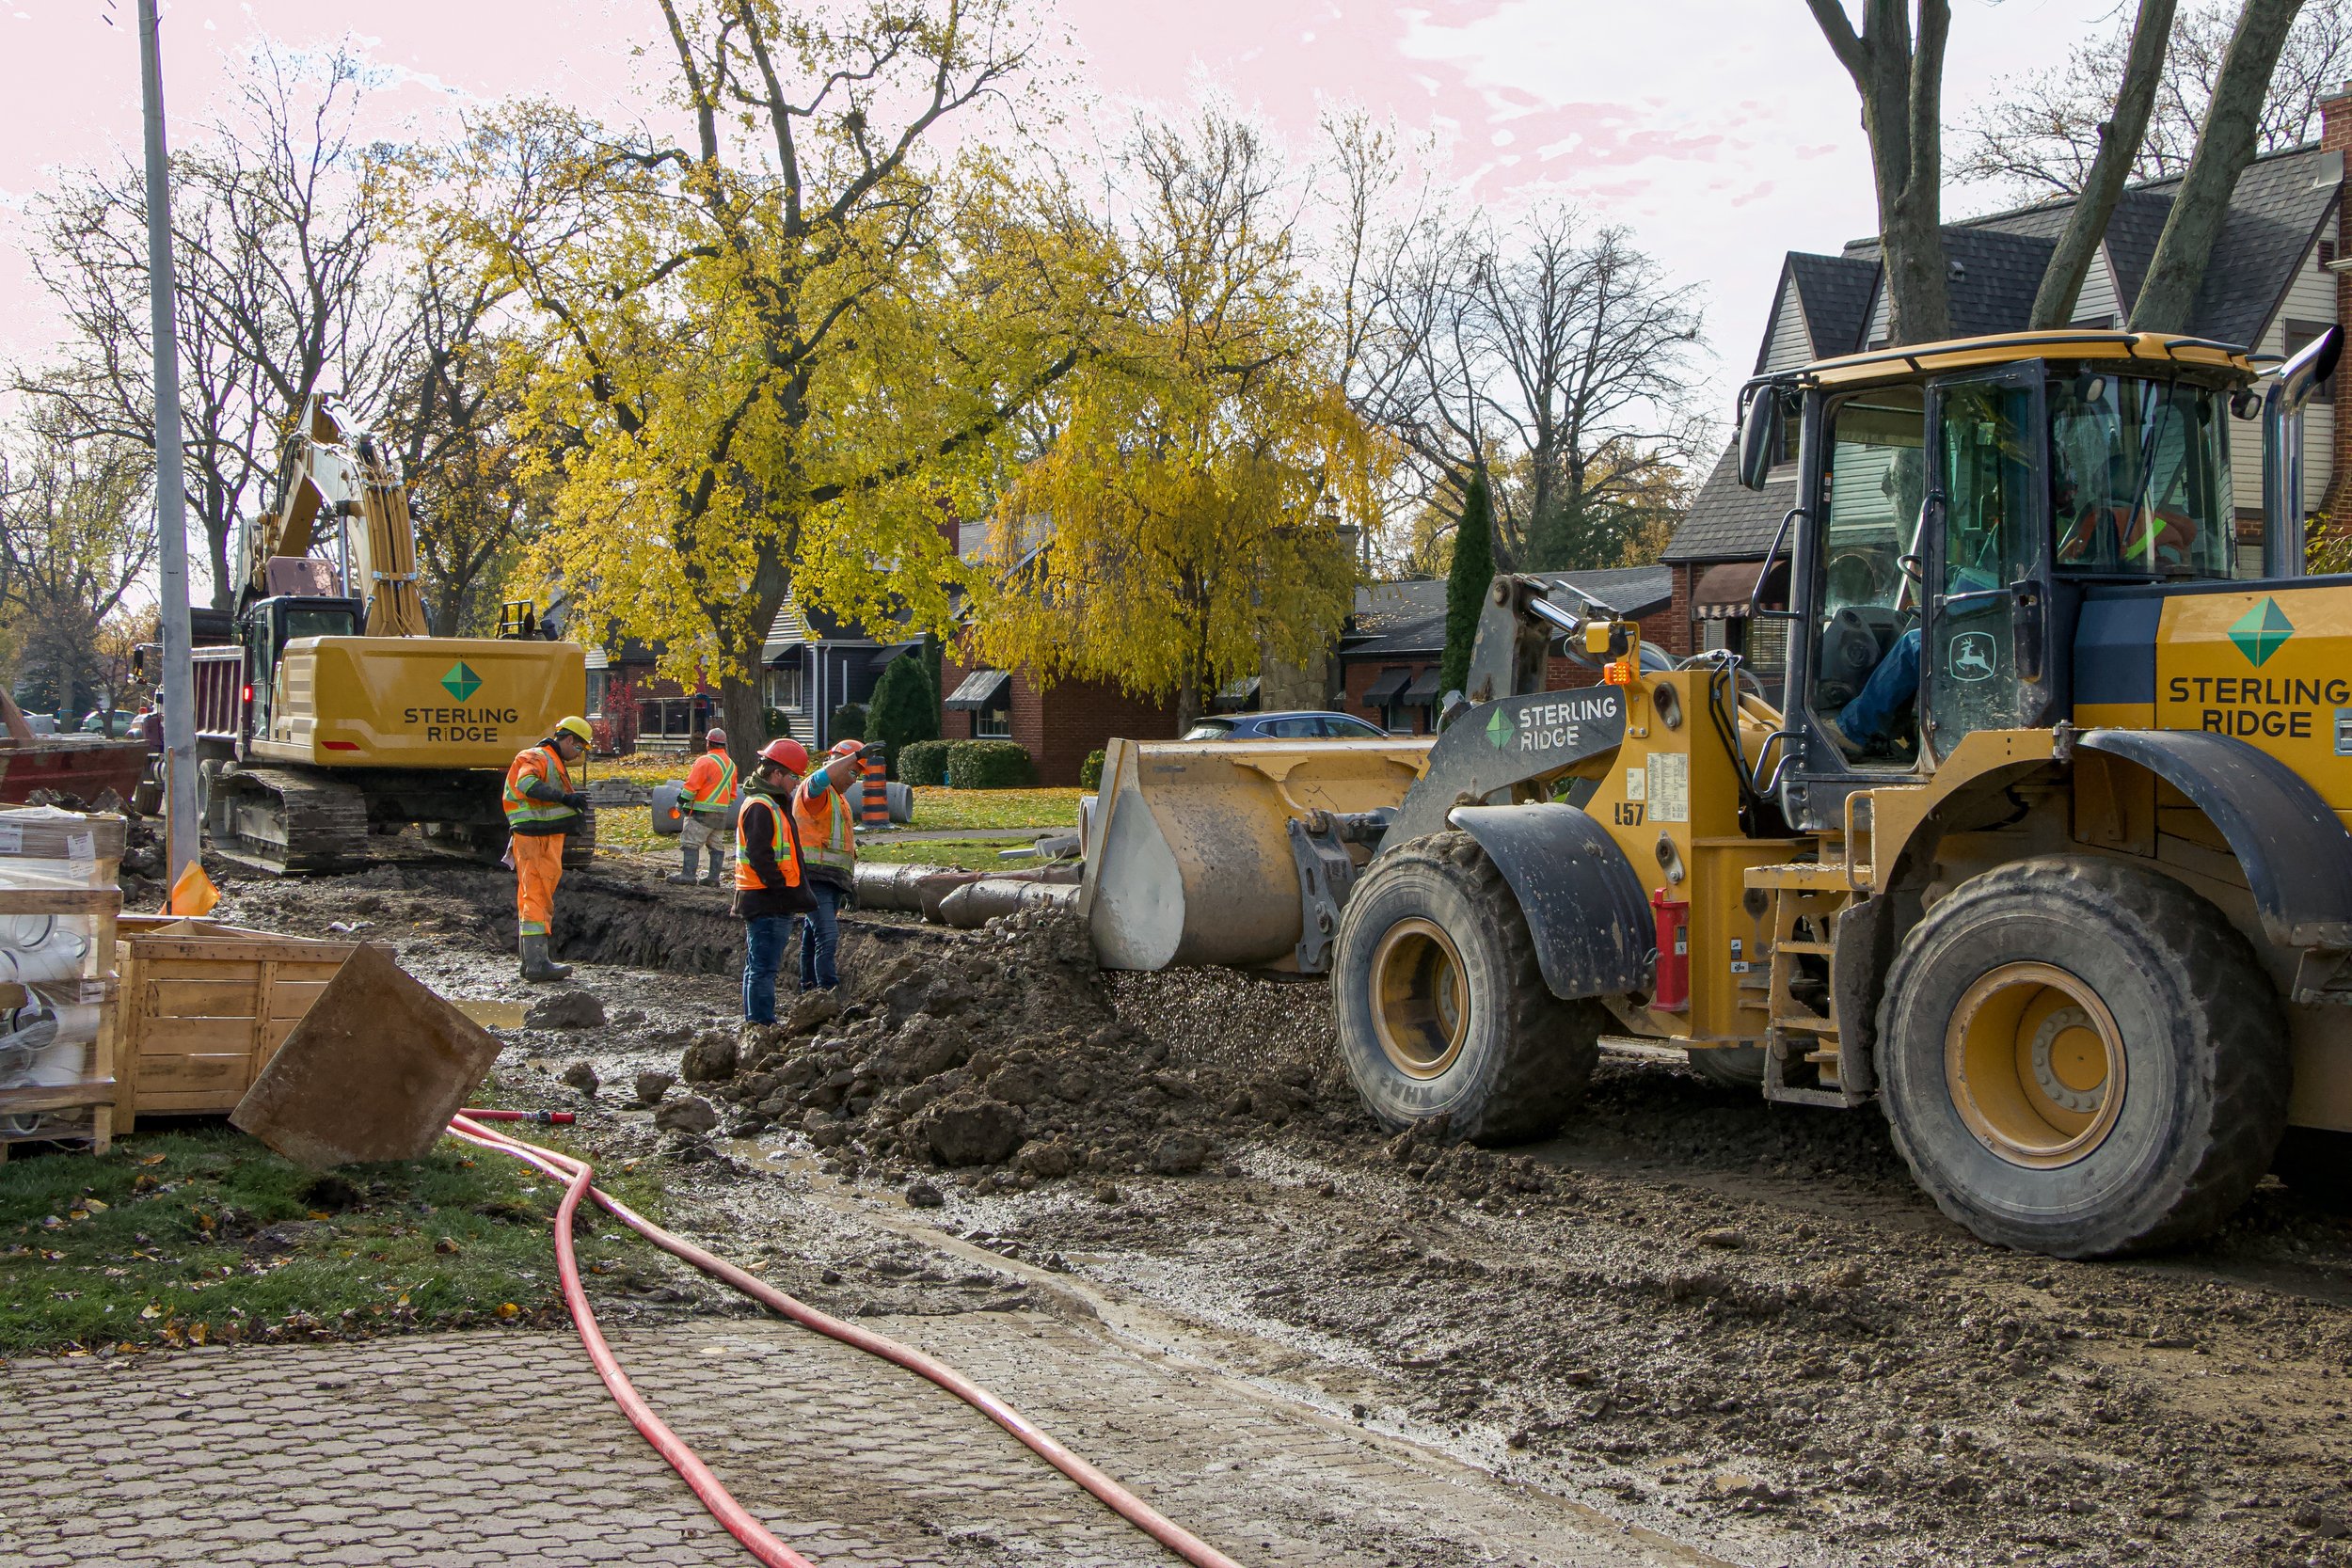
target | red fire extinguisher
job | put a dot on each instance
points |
(1672, 992)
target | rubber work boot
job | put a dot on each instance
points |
(687, 876)
(537, 965)
(718, 872)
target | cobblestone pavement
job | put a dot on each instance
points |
(503, 1448)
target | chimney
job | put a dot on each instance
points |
(2335, 136)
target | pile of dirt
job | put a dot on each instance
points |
(1001, 1054)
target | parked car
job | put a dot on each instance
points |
(115, 723)
(1302, 726)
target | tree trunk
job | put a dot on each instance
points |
(1902, 88)
(2225, 145)
(1187, 701)
(2119, 146)
(740, 716)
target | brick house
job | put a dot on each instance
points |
(1059, 724)
(1391, 652)
(2275, 283)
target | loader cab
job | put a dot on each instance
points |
(268, 626)
(1948, 524)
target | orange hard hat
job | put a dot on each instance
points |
(848, 747)
(716, 738)
(787, 753)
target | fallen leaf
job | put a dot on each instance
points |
(150, 1311)
(508, 1309)
(93, 1204)
(152, 1160)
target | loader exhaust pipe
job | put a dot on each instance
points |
(2291, 387)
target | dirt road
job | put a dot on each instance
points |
(1733, 1324)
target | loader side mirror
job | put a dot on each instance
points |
(1756, 440)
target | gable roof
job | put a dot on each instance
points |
(2275, 217)
(1405, 619)
(1837, 292)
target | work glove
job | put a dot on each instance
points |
(576, 800)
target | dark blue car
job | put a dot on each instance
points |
(1298, 725)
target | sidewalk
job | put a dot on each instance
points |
(503, 1448)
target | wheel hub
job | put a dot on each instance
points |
(1420, 998)
(2035, 1065)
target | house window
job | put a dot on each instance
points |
(995, 723)
(1765, 648)
(783, 688)
(597, 682)
(2301, 334)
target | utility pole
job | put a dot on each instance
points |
(184, 833)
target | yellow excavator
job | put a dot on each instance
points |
(326, 714)
(2043, 849)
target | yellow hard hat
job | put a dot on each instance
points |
(577, 727)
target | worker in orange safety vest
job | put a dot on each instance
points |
(826, 823)
(541, 808)
(711, 791)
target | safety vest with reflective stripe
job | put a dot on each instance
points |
(537, 762)
(826, 835)
(787, 855)
(709, 783)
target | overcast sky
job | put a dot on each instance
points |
(1720, 130)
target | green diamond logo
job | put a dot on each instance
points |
(1499, 730)
(2262, 631)
(462, 683)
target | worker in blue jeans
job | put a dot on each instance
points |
(770, 885)
(1863, 723)
(826, 827)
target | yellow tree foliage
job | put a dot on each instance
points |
(780, 350)
(1185, 520)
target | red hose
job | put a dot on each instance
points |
(577, 1175)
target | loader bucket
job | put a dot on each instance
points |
(1189, 860)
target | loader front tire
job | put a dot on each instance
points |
(1441, 1004)
(2082, 1057)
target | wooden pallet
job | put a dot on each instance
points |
(204, 1008)
(95, 985)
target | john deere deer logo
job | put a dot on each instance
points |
(1973, 657)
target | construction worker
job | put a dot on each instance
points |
(711, 789)
(826, 822)
(770, 890)
(541, 807)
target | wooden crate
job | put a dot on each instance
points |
(95, 986)
(204, 1008)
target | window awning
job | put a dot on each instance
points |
(1424, 686)
(978, 691)
(1386, 685)
(1723, 590)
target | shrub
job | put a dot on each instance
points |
(773, 719)
(925, 762)
(988, 765)
(848, 721)
(905, 710)
(1090, 770)
(614, 735)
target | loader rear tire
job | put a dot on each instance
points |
(2082, 1057)
(1441, 1004)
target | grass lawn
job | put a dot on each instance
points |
(996, 808)
(965, 854)
(205, 1237)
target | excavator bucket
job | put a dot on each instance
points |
(1190, 858)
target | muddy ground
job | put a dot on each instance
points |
(1737, 1324)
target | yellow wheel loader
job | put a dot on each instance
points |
(324, 714)
(2044, 849)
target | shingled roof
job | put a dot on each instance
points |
(2275, 216)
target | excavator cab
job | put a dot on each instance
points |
(269, 625)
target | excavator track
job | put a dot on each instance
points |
(285, 821)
